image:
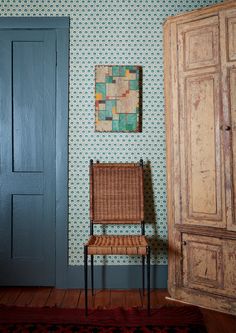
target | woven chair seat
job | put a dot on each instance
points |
(118, 244)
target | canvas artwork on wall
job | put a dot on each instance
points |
(118, 98)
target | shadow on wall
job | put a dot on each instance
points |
(150, 217)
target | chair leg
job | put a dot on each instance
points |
(148, 278)
(92, 275)
(86, 278)
(143, 274)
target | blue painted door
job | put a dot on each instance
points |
(27, 157)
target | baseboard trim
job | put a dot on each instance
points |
(117, 277)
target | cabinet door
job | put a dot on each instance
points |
(201, 149)
(228, 56)
(209, 264)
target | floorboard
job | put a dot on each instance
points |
(40, 297)
(9, 295)
(82, 300)
(219, 322)
(153, 299)
(25, 297)
(106, 299)
(102, 299)
(118, 299)
(56, 298)
(71, 298)
(133, 299)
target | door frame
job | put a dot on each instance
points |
(61, 26)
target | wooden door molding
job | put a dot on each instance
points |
(60, 26)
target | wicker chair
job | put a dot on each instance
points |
(116, 197)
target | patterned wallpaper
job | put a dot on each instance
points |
(122, 32)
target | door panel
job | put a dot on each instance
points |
(209, 264)
(27, 174)
(202, 262)
(27, 214)
(201, 44)
(28, 75)
(231, 29)
(203, 177)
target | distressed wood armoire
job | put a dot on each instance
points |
(200, 102)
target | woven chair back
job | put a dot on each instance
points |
(116, 193)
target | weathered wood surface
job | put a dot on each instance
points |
(200, 103)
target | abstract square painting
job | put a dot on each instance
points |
(118, 98)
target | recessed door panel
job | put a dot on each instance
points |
(202, 262)
(201, 47)
(201, 156)
(209, 264)
(199, 43)
(27, 227)
(231, 25)
(202, 159)
(28, 76)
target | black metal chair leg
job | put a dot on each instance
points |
(92, 279)
(148, 278)
(86, 278)
(143, 274)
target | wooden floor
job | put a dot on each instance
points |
(106, 299)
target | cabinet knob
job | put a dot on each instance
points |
(225, 127)
(184, 242)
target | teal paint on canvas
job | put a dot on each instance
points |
(113, 32)
(101, 89)
(134, 84)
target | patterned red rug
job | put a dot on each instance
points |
(185, 319)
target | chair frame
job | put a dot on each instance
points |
(92, 263)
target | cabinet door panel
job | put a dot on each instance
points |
(202, 262)
(209, 264)
(202, 159)
(231, 35)
(199, 44)
(201, 176)
(201, 47)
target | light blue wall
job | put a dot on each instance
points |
(113, 32)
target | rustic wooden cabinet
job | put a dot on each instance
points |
(200, 101)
